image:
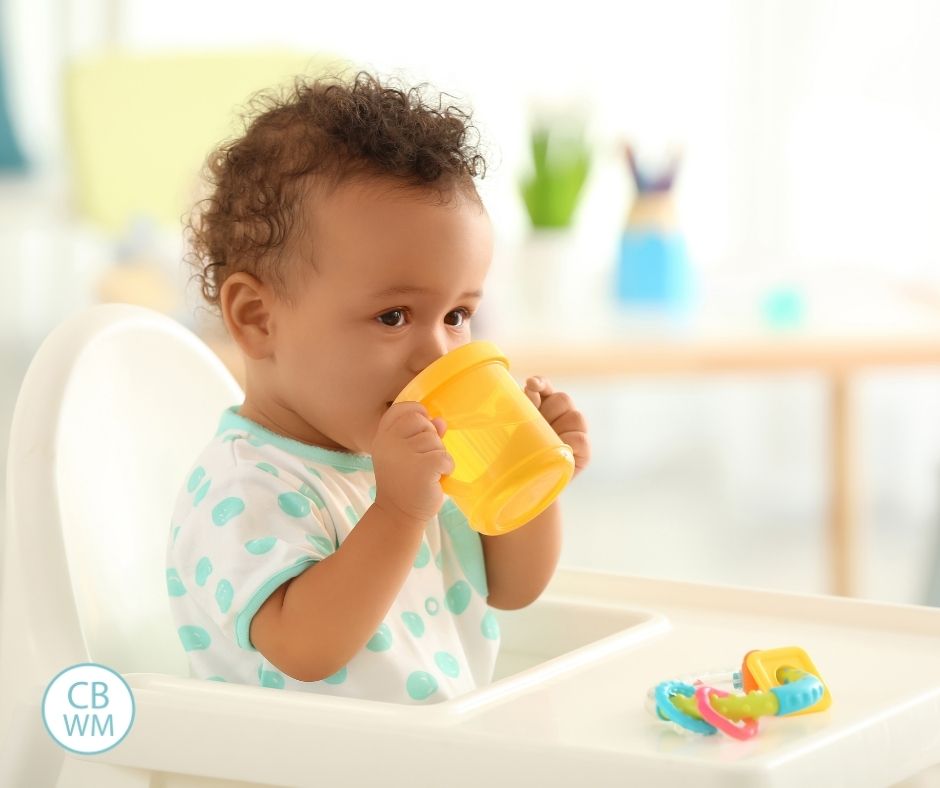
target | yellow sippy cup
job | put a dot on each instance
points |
(509, 464)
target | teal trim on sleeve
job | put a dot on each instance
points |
(467, 546)
(341, 460)
(243, 619)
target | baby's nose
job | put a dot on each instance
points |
(432, 347)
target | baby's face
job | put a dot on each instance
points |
(398, 278)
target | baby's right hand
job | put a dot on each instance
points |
(409, 459)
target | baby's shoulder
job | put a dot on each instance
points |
(243, 458)
(240, 458)
(238, 468)
(232, 475)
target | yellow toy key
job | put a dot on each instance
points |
(779, 666)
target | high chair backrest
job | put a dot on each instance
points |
(113, 410)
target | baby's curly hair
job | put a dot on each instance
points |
(302, 143)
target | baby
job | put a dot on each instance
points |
(311, 546)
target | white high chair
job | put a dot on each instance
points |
(113, 409)
(115, 406)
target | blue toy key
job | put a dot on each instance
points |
(665, 707)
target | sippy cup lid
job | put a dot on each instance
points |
(454, 363)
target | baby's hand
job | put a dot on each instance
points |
(559, 411)
(409, 459)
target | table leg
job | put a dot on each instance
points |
(843, 534)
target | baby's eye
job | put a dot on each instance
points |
(393, 318)
(462, 316)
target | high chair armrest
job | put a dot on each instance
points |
(272, 737)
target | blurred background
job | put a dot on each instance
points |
(716, 228)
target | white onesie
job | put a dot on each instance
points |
(258, 509)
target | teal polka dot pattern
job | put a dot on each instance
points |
(225, 510)
(414, 622)
(381, 640)
(458, 597)
(261, 546)
(313, 495)
(337, 678)
(294, 504)
(201, 493)
(224, 594)
(203, 570)
(194, 478)
(194, 638)
(423, 557)
(490, 626)
(467, 546)
(433, 641)
(174, 585)
(322, 544)
(447, 663)
(421, 685)
(271, 678)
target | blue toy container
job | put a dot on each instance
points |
(653, 269)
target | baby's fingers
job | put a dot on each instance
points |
(580, 447)
(537, 389)
(534, 397)
(568, 421)
(446, 465)
(428, 446)
(556, 407)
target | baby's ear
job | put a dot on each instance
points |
(246, 309)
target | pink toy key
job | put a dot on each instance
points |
(703, 696)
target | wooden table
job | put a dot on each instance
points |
(838, 359)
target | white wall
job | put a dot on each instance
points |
(809, 127)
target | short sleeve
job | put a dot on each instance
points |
(466, 544)
(254, 530)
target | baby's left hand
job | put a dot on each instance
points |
(559, 411)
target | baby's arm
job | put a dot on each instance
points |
(520, 564)
(315, 623)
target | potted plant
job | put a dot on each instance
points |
(551, 191)
(561, 162)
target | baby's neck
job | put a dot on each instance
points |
(282, 421)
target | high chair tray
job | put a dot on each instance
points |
(567, 706)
